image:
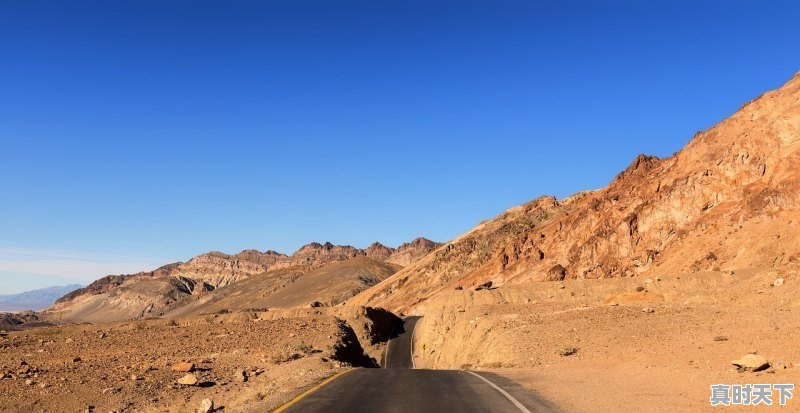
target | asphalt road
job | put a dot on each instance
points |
(399, 347)
(398, 388)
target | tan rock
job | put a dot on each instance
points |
(751, 362)
(188, 380)
(206, 406)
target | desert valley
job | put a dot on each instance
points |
(681, 273)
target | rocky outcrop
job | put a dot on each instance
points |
(733, 185)
(410, 252)
(378, 251)
(218, 269)
(315, 254)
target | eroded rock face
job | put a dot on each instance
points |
(735, 184)
(410, 252)
(111, 282)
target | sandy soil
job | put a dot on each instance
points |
(624, 358)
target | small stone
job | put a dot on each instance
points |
(648, 310)
(778, 282)
(102, 336)
(188, 380)
(721, 338)
(240, 376)
(639, 289)
(69, 340)
(135, 377)
(751, 362)
(183, 367)
(76, 360)
(567, 351)
(206, 406)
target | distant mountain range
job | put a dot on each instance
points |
(317, 275)
(35, 299)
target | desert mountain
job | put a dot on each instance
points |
(327, 286)
(324, 273)
(728, 200)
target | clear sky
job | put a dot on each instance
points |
(136, 133)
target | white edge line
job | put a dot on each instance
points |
(413, 334)
(510, 398)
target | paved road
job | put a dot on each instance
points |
(400, 346)
(397, 388)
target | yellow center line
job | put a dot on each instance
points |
(309, 391)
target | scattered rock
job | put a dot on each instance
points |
(485, 286)
(751, 362)
(111, 390)
(721, 338)
(206, 406)
(76, 360)
(648, 310)
(778, 282)
(639, 289)
(313, 304)
(183, 367)
(188, 380)
(459, 288)
(567, 351)
(240, 376)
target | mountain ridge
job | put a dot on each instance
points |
(738, 178)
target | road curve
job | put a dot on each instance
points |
(400, 389)
(400, 347)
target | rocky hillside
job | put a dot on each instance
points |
(728, 200)
(327, 286)
(334, 274)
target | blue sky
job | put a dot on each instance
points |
(144, 132)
